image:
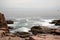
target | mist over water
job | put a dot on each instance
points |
(30, 8)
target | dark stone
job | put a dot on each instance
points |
(22, 34)
(3, 23)
(56, 22)
(44, 30)
(10, 22)
(40, 29)
(10, 27)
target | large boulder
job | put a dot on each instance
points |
(10, 27)
(36, 29)
(40, 29)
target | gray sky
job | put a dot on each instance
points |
(30, 8)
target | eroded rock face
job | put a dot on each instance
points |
(3, 23)
(53, 22)
(22, 34)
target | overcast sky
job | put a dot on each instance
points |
(30, 8)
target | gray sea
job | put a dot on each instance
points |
(25, 24)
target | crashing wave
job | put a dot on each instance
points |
(24, 24)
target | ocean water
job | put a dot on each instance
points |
(25, 24)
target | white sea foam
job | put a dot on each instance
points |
(22, 29)
(24, 24)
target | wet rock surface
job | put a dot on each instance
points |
(41, 29)
(56, 22)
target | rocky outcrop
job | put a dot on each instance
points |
(40, 29)
(57, 31)
(36, 29)
(3, 23)
(2, 33)
(56, 22)
(45, 30)
(39, 32)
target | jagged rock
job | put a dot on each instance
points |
(10, 27)
(10, 34)
(2, 33)
(3, 23)
(10, 22)
(55, 31)
(56, 22)
(22, 34)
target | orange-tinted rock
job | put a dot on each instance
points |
(10, 34)
(55, 31)
(3, 23)
(27, 38)
(10, 38)
(34, 38)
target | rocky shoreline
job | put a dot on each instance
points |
(36, 32)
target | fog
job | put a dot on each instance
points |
(30, 8)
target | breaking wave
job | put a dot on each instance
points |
(24, 24)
